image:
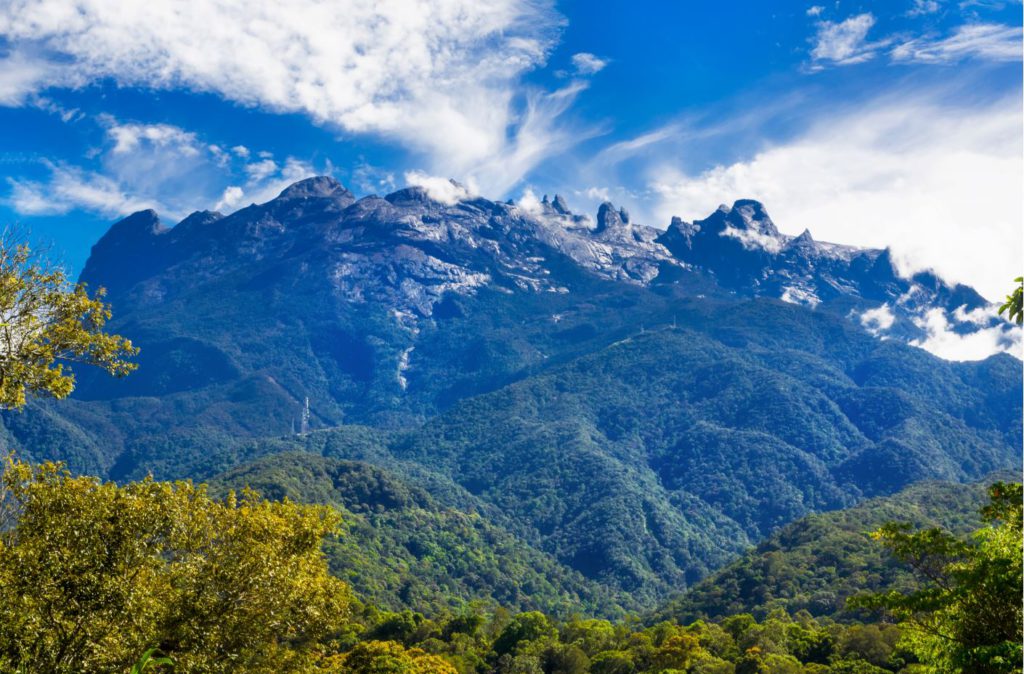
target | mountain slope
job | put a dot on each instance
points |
(819, 561)
(650, 463)
(401, 548)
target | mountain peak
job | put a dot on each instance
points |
(409, 195)
(750, 214)
(127, 247)
(609, 219)
(804, 238)
(139, 224)
(560, 205)
(317, 186)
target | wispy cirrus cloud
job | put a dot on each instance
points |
(983, 41)
(846, 42)
(157, 166)
(924, 7)
(441, 78)
(69, 188)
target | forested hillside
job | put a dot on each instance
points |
(820, 561)
(402, 549)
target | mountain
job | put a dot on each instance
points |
(816, 563)
(633, 405)
(360, 305)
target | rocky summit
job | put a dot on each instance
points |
(407, 251)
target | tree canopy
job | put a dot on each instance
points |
(46, 323)
(966, 616)
(94, 574)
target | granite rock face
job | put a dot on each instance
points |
(407, 250)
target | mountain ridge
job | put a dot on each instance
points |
(459, 246)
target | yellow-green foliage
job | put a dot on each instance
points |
(93, 574)
(388, 657)
(45, 323)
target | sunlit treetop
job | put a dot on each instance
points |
(47, 324)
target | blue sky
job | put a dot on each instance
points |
(873, 123)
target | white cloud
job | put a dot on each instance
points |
(878, 320)
(268, 185)
(983, 41)
(258, 170)
(940, 184)
(155, 166)
(922, 7)
(128, 137)
(815, 10)
(70, 188)
(601, 194)
(753, 240)
(588, 64)
(229, 198)
(371, 179)
(22, 75)
(439, 189)
(844, 43)
(440, 77)
(945, 343)
(979, 316)
(529, 203)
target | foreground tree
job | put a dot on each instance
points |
(967, 615)
(47, 323)
(1014, 304)
(92, 574)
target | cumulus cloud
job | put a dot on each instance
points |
(588, 64)
(845, 42)
(530, 203)
(983, 41)
(231, 196)
(946, 343)
(444, 190)
(815, 10)
(128, 137)
(878, 320)
(157, 166)
(440, 77)
(921, 176)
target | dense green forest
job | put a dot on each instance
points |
(820, 561)
(401, 548)
(645, 479)
(96, 575)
